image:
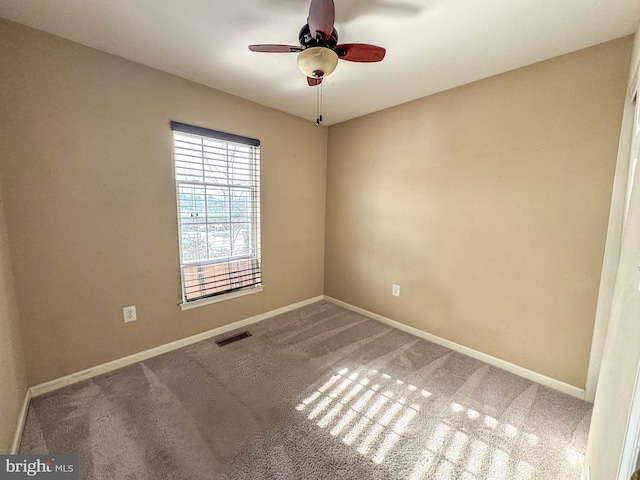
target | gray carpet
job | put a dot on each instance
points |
(316, 393)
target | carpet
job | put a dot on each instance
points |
(316, 393)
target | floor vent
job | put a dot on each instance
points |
(235, 338)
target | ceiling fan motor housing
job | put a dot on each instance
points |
(308, 40)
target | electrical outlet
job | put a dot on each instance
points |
(395, 290)
(129, 314)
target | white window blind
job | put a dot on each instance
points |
(218, 192)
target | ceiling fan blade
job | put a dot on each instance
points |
(322, 16)
(360, 52)
(273, 48)
(314, 81)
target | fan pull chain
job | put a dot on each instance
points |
(319, 104)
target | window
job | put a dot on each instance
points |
(218, 192)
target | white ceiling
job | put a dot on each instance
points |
(432, 45)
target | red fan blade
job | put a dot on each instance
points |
(314, 81)
(272, 48)
(322, 16)
(360, 52)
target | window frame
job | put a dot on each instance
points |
(254, 256)
(634, 153)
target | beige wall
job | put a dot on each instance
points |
(13, 374)
(87, 174)
(621, 358)
(488, 205)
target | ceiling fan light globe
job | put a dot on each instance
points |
(317, 62)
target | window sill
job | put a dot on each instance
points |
(220, 298)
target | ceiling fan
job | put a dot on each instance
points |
(319, 50)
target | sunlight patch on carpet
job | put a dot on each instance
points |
(371, 412)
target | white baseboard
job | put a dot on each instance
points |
(494, 361)
(57, 383)
(22, 418)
